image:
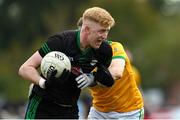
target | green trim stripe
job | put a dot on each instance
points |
(78, 39)
(45, 48)
(109, 42)
(78, 44)
(117, 57)
(32, 107)
(141, 117)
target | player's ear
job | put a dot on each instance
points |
(87, 29)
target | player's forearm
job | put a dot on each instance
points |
(115, 72)
(29, 73)
(116, 68)
(29, 69)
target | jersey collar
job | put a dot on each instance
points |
(78, 43)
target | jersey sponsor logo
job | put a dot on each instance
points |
(115, 50)
(93, 62)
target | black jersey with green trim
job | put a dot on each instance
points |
(68, 42)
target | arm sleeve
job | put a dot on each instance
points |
(104, 55)
(118, 51)
(103, 76)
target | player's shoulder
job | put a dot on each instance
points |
(115, 44)
(62, 40)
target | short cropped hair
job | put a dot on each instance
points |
(99, 15)
(80, 22)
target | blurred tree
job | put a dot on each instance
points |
(25, 20)
(156, 4)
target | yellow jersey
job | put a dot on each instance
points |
(124, 95)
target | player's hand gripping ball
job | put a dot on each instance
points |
(54, 60)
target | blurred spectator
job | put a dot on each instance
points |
(12, 110)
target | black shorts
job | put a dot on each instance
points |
(39, 108)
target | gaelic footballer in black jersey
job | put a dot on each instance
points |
(64, 103)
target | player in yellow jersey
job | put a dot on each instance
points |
(123, 100)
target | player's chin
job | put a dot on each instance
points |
(96, 46)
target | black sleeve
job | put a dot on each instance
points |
(54, 43)
(103, 76)
(104, 54)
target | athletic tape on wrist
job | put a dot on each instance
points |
(42, 83)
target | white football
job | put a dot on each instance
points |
(54, 60)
